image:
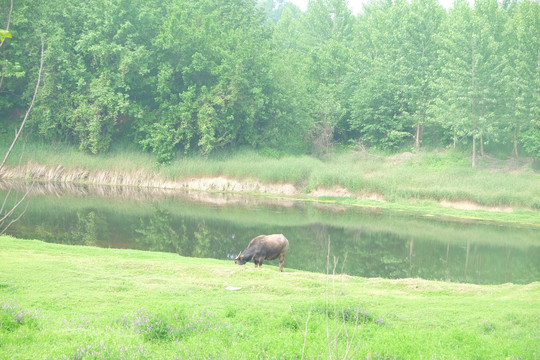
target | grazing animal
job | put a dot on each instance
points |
(264, 247)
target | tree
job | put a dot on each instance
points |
(493, 20)
(95, 55)
(6, 214)
(381, 101)
(327, 26)
(213, 77)
(290, 103)
(185, 76)
(521, 77)
(421, 24)
(469, 56)
(23, 122)
(5, 34)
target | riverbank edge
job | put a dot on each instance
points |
(465, 209)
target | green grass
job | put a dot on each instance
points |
(65, 302)
(416, 178)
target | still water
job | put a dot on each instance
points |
(361, 241)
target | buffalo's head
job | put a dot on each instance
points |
(239, 260)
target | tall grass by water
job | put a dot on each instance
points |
(408, 177)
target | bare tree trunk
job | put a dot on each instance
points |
(481, 145)
(474, 151)
(515, 150)
(417, 141)
(473, 105)
(420, 128)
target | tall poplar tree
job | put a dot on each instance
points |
(328, 26)
(521, 74)
(420, 60)
(468, 58)
(378, 109)
(395, 58)
(290, 76)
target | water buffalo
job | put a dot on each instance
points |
(264, 247)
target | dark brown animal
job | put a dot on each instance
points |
(264, 247)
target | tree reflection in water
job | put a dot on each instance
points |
(366, 242)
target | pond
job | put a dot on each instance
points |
(360, 241)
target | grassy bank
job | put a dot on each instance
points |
(68, 302)
(408, 178)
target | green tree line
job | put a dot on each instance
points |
(183, 76)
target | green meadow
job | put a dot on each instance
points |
(71, 302)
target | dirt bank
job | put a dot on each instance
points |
(469, 205)
(140, 179)
(59, 174)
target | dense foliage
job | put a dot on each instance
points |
(181, 76)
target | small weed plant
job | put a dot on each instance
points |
(100, 350)
(173, 326)
(488, 327)
(14, 316)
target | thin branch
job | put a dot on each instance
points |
(5, 201)
(337, 331)
(327, 301)
(2, 76)
(9, 15)
(305, 332)
(343, 262)
(2, 231)
(9, 213)
(29, 108)
(350, 341)
(345, 330)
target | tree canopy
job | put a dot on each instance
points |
(186, 76)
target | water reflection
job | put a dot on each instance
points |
(364, 242)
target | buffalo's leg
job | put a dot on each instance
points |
(281, 261)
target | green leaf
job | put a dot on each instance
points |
(5, 34)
